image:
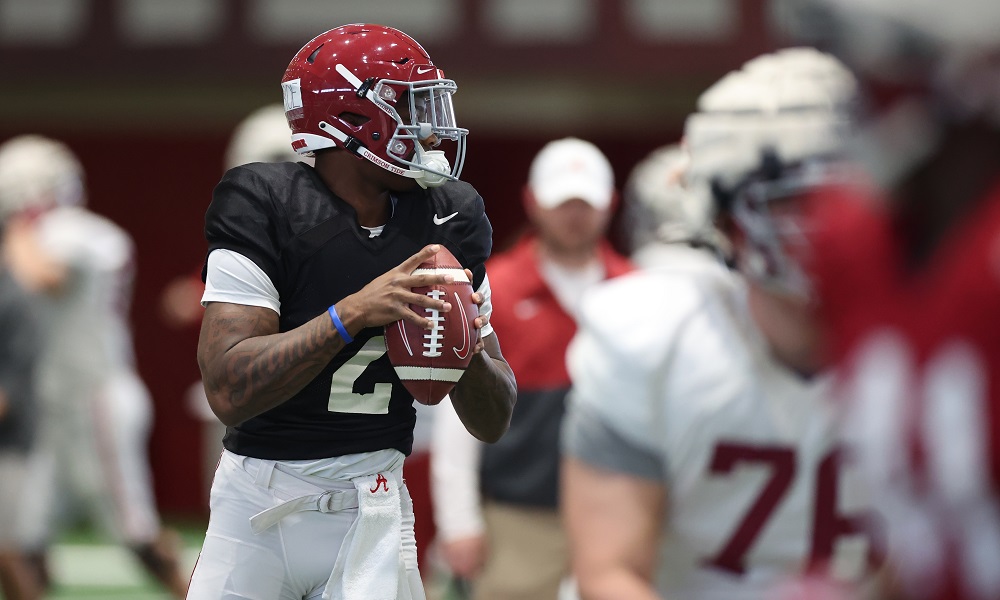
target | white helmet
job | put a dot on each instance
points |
(263, 136)
(37, 173)
(765, 132)
(795, 103)
(658, 208)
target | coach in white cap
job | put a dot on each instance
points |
(570, 169)
(496, 506)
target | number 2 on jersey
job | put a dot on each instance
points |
(344, 399)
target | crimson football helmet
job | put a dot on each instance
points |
(374, 91)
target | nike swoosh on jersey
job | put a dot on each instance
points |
(442, 220)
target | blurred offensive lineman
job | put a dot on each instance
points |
(95, 411)
(701, 460)
(305, 267)
(920, 347)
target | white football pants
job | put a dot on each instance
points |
(290, 560)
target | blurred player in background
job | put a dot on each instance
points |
(910, 281)
(19, 351)
(661, 219)
(305, 268)
(701, 459)
(263, 136)
(91, 456)
(497, 505)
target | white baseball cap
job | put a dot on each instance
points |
(571, 168)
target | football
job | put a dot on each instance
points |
(430, 361)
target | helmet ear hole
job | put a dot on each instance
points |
(353, 119)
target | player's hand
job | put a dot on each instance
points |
(479, 321)
(387, 298)
(466, 556)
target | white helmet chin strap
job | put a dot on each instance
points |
(435, 168)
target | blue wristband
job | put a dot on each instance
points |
(339, 325)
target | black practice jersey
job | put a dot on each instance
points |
(308, 241)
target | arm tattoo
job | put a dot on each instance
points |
(249, 367)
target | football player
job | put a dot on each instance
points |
(19, 351)
(701, 459)
(660, 217)
(305, 267)
(909, 282)
(91, 455)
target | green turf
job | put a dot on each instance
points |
(84, 565)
